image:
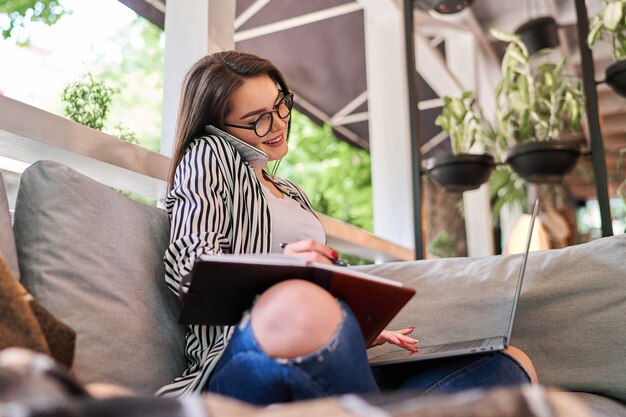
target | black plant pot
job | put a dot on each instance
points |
(542, 162)
(539, 33)
(459, 172)
(616, 77)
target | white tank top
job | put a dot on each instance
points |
(290, 222)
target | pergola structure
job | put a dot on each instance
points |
(346, 60)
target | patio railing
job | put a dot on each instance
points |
(30, 134)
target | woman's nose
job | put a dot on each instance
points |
(278, 123)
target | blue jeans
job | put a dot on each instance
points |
(247, 373)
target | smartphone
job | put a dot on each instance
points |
(248, 152)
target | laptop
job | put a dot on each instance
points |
(464, 347)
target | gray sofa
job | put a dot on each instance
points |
(93, 257)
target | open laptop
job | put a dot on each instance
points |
(464, 347)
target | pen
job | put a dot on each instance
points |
(337, 262)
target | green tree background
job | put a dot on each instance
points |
(19, 13)
(335, 175)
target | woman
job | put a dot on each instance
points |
(297, 342)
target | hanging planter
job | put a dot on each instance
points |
(462, 120)
(539, 33)
(457, 173)
(611, 20)
(616, 77)
(536, 105)
(544, 162)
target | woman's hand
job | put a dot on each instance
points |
(397, 337)
(311, 251)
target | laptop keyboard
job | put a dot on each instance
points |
(456, 346)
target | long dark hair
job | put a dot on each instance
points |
(206, 92)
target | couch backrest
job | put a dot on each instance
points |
(570, 318)
(7, 241)
(93, 257)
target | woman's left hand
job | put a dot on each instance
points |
(397, 337)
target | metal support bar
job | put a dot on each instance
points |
(591, 104)
(409, 44)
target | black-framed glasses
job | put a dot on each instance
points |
(263, 124)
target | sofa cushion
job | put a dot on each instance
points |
(601, 406)
(570, 318)
(7, 241)
(93, 257)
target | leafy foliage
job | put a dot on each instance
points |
(506, 187)
(443, 245)
(535, 103)
(335, 175)
(139, 75)
(611, 20)
(126, 134)
(462, 119)
(21, 12)
(88, 101)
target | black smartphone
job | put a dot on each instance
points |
(248, 152)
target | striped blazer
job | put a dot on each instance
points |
(216, 206)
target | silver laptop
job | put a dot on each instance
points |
(464, 347)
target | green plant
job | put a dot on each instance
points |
(88, 101)
(126, 134)
(535, 102)
(505, 187)
(610, 20)
(462, 119)
(443, 245)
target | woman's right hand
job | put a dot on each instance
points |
(311, 251)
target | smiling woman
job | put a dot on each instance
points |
(297, 341)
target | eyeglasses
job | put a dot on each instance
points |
(263, 124)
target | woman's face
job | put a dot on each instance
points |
(254, 97)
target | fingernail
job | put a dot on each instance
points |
(412, 328)
(335, 255)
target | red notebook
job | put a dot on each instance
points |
(220, 288)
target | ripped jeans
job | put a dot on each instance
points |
(247, 373)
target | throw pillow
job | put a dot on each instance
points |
(93, 257)
(7, 241)
(25, 323)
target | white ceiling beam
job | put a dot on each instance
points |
(157, 4)
(350, 118)
(482, 37)
(247, 14)
(433, 103)
(297, 21)
(432, 67)
(352, 106)
(316, 112)
(434, 141)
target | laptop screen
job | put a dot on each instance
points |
(522, 269)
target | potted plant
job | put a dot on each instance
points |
(537, 103)
(462, 120)
(611, 20)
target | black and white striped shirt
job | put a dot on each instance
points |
(216, 206)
